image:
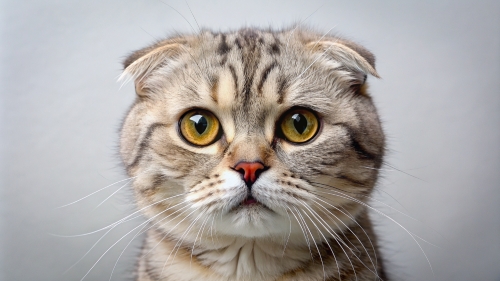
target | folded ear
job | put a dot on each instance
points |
(350, 55)
(141, 63)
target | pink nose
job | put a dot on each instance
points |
(250, 171)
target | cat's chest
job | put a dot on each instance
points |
(232, 259)
(248, 258)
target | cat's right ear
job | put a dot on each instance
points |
(140, 64)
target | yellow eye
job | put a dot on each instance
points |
(299, 125)
(199, 127)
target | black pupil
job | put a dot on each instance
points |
(200, 123)
(300, 122)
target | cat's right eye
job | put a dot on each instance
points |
(200, 127)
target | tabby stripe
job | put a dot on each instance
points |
(275, 47)
(238, 43)
(214, 89)
(158, 179)
(223, 46)
(360, 150)
(351, 180)
(144, 143)
(355, 183)
(250, 57)
(235, 77)
(263, 78)
(248, 81)
(281, 90)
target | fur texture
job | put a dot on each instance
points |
(308, 220)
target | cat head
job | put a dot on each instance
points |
(251, 129)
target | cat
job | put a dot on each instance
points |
(253, 154)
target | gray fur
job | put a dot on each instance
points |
(311, 221)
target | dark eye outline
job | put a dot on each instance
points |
(281, 135)
(217, 137)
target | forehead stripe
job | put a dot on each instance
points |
(263, 78)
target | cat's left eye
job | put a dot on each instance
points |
(200, 127)
(299, 125)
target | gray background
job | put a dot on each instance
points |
(61, 108)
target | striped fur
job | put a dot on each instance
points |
(311, 222)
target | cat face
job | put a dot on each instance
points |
(250, 131)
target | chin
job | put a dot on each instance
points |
(253, 221)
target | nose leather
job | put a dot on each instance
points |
(250, 171)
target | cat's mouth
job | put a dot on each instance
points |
(249, 201)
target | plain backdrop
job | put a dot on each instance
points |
(61, 108)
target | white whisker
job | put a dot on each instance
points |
(179, 241)
(289, 232)
(298, 25)
(140, 232)
(325, 186)
(116, 191)
(123, 220)
(196, 238)
(375, 264)
(303, 232)
(119, 241)
(76, 201)
(412, 235)
(314, 241)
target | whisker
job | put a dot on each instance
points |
(299, 24)
(204, 57)
(140, 232)
(89, 250)
(185, 234)
(327, 227)
(166, 234)
(180, 14)
(375, 264)
(212, 228)
(326, 240)
(179, 241)
(412, 235)
(191, 11)
(196, 238)
(325, 186)
(201, 72)
(314, 241)
(357, 201)
(289, 232)
(123, 220)
(303, 232)
(306, 228)
(98, 230)
(387, 164)
(314, 61)
(333, 220)
(116, 191)
(340, 241)
(76, 201)
(119, 241)
(321, 38)
(151, 35)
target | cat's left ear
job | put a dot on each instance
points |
(352, 56)
(140, 64)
